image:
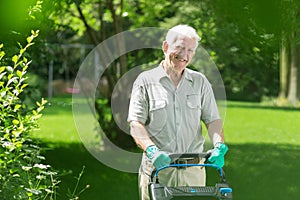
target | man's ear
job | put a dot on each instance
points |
(165, 46)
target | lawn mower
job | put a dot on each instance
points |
(220, 191)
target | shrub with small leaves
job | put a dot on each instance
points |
(23, 172)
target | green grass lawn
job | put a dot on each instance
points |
(262, 163)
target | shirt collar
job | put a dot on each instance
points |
(187, 75)
(162, 73)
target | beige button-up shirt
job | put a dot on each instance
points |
(172, 116)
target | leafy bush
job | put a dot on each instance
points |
(23, 172)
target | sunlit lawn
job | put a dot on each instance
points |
(262, 163)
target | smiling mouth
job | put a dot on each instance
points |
(178, 58)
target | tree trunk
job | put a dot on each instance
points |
(294, 86)
(117, 22)
(284, 68)
(298, 78)
(298, 71)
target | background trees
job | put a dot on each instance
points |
(268, 31)
(246, 39)
(254, 43)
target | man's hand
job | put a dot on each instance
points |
(217, 154)
(158, 158)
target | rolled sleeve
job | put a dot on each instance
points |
(209, 106)
(138, 106)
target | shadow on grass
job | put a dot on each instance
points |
(255, 171)
(104, 182)
(264, 171)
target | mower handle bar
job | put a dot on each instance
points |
(176, 156)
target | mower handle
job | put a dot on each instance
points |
(175, 156)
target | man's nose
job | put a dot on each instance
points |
(185, 54)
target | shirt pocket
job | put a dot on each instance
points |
(158, 114)
(193, 110)
(193, 101)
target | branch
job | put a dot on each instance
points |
(89, 29)
(102, 28)
(117, 20)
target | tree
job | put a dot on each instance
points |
(290, 49)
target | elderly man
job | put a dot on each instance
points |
(166, 108)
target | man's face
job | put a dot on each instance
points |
(181, 52)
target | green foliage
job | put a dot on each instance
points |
(23, 172)
(35, 9)
(247, 48)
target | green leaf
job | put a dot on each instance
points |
(17, 107)
(12, 171)
(2, 69)
(37, 116)
(35, 33)
(24, 68)
(10, 76)
(29, 39)
(25, 60)
(34, 112)
(15, 122)
(15, 59)
(19, 73)
(24, 85)
(29, 194)
(22, 51)
(2, 53)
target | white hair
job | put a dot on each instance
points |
(182, 30)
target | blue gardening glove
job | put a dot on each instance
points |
(158, 158)
(217, 154)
